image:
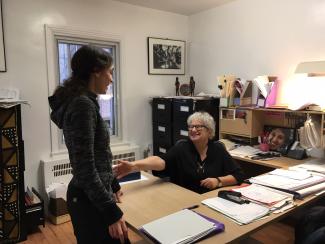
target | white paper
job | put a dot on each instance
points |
(262, 82)
(244, 151)
(292, 174)
(263, 194)
(313, 165)
(285, 182)
(242, 213)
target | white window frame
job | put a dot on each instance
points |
(54, 33)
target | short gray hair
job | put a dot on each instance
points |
(206, 119)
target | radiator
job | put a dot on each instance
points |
(58, 169)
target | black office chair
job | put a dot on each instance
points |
(311, 228)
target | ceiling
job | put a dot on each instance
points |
(185, 7)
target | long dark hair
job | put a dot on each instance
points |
(86, 60)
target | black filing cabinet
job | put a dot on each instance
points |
(162, 124)
(169, 119)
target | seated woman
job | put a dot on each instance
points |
(198, 163)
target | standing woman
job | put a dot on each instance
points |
(93, 191)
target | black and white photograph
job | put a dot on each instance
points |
(166, 56)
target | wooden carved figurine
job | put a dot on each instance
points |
(192, 86)
(177, 84)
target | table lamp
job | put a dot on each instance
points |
(313, 68)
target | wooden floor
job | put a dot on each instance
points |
(279, 233)
(63, 234)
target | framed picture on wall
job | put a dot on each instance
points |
(166, 56)
(2, 47)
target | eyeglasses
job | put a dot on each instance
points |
(197, 127)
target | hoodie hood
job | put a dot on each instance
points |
(58, 106)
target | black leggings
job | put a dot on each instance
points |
(88, 224)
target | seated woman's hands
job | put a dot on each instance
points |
(210, 183)
(122, 168)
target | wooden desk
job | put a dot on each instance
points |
(148, 200)
(278, 162)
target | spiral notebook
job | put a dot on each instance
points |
(184, 226)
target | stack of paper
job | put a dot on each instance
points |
(263, 195)
(288, 181)
(184, 226)
(313, 165)
(241, 213)
(244, 151)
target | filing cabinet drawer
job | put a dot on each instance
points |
(162, 133)
(180, 132)
(182, 108)
(160, 149)
(162, 110)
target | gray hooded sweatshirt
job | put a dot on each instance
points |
(87, 139)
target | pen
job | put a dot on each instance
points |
(192, 207)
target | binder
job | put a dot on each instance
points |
(184, 226)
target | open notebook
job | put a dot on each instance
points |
(184, 226)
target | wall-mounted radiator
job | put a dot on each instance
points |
(58, 169)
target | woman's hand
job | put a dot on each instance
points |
(210, 183)
(119, 230)
(122, 168)
(118, 196)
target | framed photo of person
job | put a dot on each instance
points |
(279, 139)
(166, 56)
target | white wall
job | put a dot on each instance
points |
(26, 62)
(255, 37)
(244, 37)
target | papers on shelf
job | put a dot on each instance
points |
(8, 103)
(286, 183)
(292, 174)
(264, 195)
(9, 97)
(244, 151)
(184, 226)
(313, 165)
(240, 213)
(263, 84)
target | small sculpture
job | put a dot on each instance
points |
(177, 84)
(192, 86)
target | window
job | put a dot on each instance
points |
(62, 43)
(66, 49)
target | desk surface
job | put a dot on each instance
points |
(278, 162)
(151, 199)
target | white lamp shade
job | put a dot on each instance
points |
(314, 68)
